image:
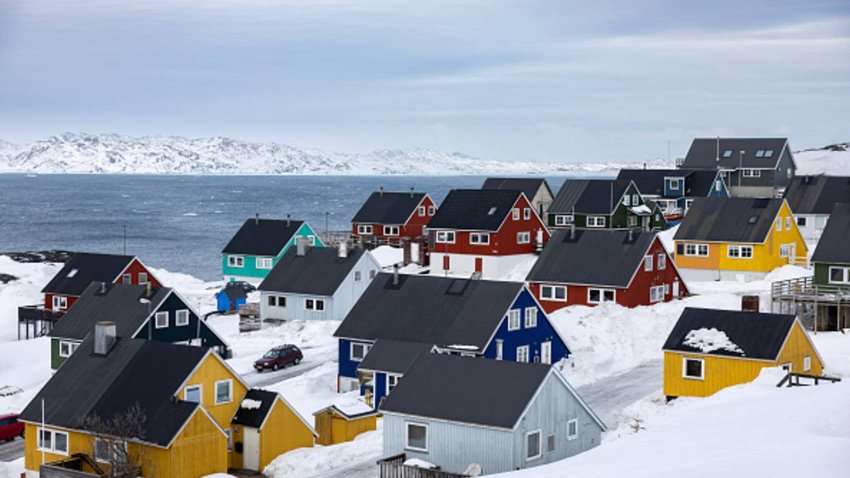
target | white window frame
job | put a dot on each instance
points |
(675, 183)
(601, 295)
(358, 276)
(539, 454)
(53, 433)
(315, 304)
(513, 320)
(807, 363)
(100, 459)
(352, 345)
(523, 237)
(479, 238)
(530, 317)
(802, 221)
(738, 252)
(564, 219)
(229, 399)
(627, 200)
(523, 352)
(787, 223)
(596, 221)
(685, 368)
(263, 262)
(846, 274)
(392, 231)
(143, 278)
(229, 434)
(526, 213)
(657, 293)
(445, 237)
(662, 261)
(421, 211)
(60, 302)
(236, 261)
(572, 436)
(127, 278)
(500, 349)
(432, 210)
(778, 224)
(515, 214)
(157, 317)
(647, 263)
(198, 386)
(751, 173)
(72, 347)
(407, 445)
(696, 249)
(395, 378)
(181, 318)
(552, 296)
(364, 229)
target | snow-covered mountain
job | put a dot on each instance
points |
(111, 153)
(833, 160)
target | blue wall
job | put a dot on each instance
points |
(671, 192)
(348, 367)
(522, 336)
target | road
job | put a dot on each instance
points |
(607, 397)
(12, 450)
(265, 379)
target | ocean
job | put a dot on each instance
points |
(181, 223)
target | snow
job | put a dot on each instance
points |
(388, 256)
(250, 404)
(420, 463)
(824, 161)
(352, 406)
(464, 347)
(709, 340)
(643, 209)
(310, 461)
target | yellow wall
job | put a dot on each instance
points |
(210, 371)
(722, 372)
(334, 429)
(283, 431)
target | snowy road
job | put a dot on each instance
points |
(11, 450)
(610, 395)
(265, 379)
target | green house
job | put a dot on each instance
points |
(831, 258)
(603, 204)
(258, 246)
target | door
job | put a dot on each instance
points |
(675, 288)
(251, 449)
(546, 352)
(446, 263)
(479, 264)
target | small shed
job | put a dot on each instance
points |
(343, 422)
(232, 296)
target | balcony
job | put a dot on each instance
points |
(36, 321)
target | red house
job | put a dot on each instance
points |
(389, 218)
(488, 231)
(70, 282)
(586, 267)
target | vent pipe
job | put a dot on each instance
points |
(572, 231)
(717, 153)
(342, 253)
(411, 193)
(103, 287)
(395, 274)
(381, 191)
(104, 337)
(288, 220)
(257, 219)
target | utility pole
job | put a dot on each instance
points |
(125, 239)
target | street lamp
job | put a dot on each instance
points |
(740, 166)
(144, 300)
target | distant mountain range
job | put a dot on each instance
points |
(112, 153)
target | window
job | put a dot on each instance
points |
(839, 275)
(161, 320)
(311, 240)
(788, 223)
(500, 349)
(785, 250)
(635, 200)
(752, 173)
(223, 391)
(787, 367)
(515, 214)
(572, 429)
(272, 301)
(479, 238)
(127, 278)
(432, 210)
(532, 445)
(727, 153)
(53, 441)
(564, 219)
(421, 211)
(359, 351)
(553, 292)
(181, 318)
(662, 261)
(67, 348)
(229, 439)
(192, 393)
(740, 252)
(264, 263)
(768, 153)
(693, 369)
(143, 278)
(647, 263)
(513, 319)
(807, 363)
(314, 304)
(523, 237)
(446, 237)
(417, 437)
(627, 200)
(760, 153)
(358, 275)
(372, 274)
(801, 222)
(698, 250)
(522, 354)
(550, 443)
(101, 451)
(390, 230)
(596, 221)
(235, 261)
(656, 293)
(675, 183)
(598, 296)
(718, 185)
(526, 214)
(778, 224)
(530, 317)
(392, 381)
(60, 302)
(364, 229)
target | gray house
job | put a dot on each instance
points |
(811, 199)
(465, 414)
(751, 167)
(537, 190)
(316, 283)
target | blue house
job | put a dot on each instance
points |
(400, 317)
(675, 189)
(232, 296)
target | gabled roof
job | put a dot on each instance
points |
(608, 258)
(388, 208)
(393, 356)
(698, 183)
(729, 220)
(468, 390)
(817, 194)
(434, 310)
(834, 243)
(119, 304)
(528, 186)
(757, 335)
(262, 237)
(703, 153)
(474, 209)
(84, 268)
(589, 196)
(254, 416)
(319, 272)
(142, 372)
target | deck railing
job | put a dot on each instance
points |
(36, 320)
(394, 467)
(805, 287)
(799, 379)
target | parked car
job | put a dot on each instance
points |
(279, 357)
(10, 427)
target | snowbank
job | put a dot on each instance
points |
(835, 163)
(366, 447)
(388, 256)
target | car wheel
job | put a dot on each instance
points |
(297, 361)
(274, 367)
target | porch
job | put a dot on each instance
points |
(819, 307)
(36, 321)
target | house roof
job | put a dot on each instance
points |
(817, 194)
(589, 196)
(474, 209)
(468, 390)
(607, 257)
(319, 272)
(833, 244)
(119, 304)
(388, 208)
(84, 268)
(262, 237)
(147, 373)
(528, 186)
(394, 356)
(756, 335)
(729, 220)
(441, 311)
(698, 183)
(703, 153)
(254, 416)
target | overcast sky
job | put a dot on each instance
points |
(524, 79)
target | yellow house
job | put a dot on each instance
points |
(341, 424)
(722, 238)
(709, 350)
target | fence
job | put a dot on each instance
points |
(394, 467)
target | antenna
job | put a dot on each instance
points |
(125, 239)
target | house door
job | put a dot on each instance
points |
(446, 263)
(675, 288)
(251, 449)
(546, 352)
(479, 264)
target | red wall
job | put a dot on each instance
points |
(410, 230)
(504, 241)
(48, 301)
(134, 268)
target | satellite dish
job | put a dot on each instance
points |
(473, 469)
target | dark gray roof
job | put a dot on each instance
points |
(262, 237)
(759, 335)
(703, 153)
(83, 269)
(528, 186)
(319, 272)
(140, 372)
(698, 183)
(428, 309)
(729, 219)
(254, 417)
(474, 209)
(393, 355)
(817, 194)
(607, 258)
(465, 389)
(120, 304)
(834, 243)
(388, 208)
(589, 196)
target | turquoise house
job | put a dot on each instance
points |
(259, 244)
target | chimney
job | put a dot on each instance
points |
(717, 154)
(342, 253)
(411, 193)
(104, 337)
(288, 221)
(257, 219)
(631, 235)
(572, 231)
(381, 191)
(301, 246)
(750, 303)
(538, 241)
(395, 274)
(149, 290)
(103, 287)
(644, 165)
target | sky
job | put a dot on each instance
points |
(499, 79)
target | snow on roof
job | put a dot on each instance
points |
(251, 404)
(420, 463)
(353, 407)
(642, 210)
(709, 340)
(387, 256)
(463, 347)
